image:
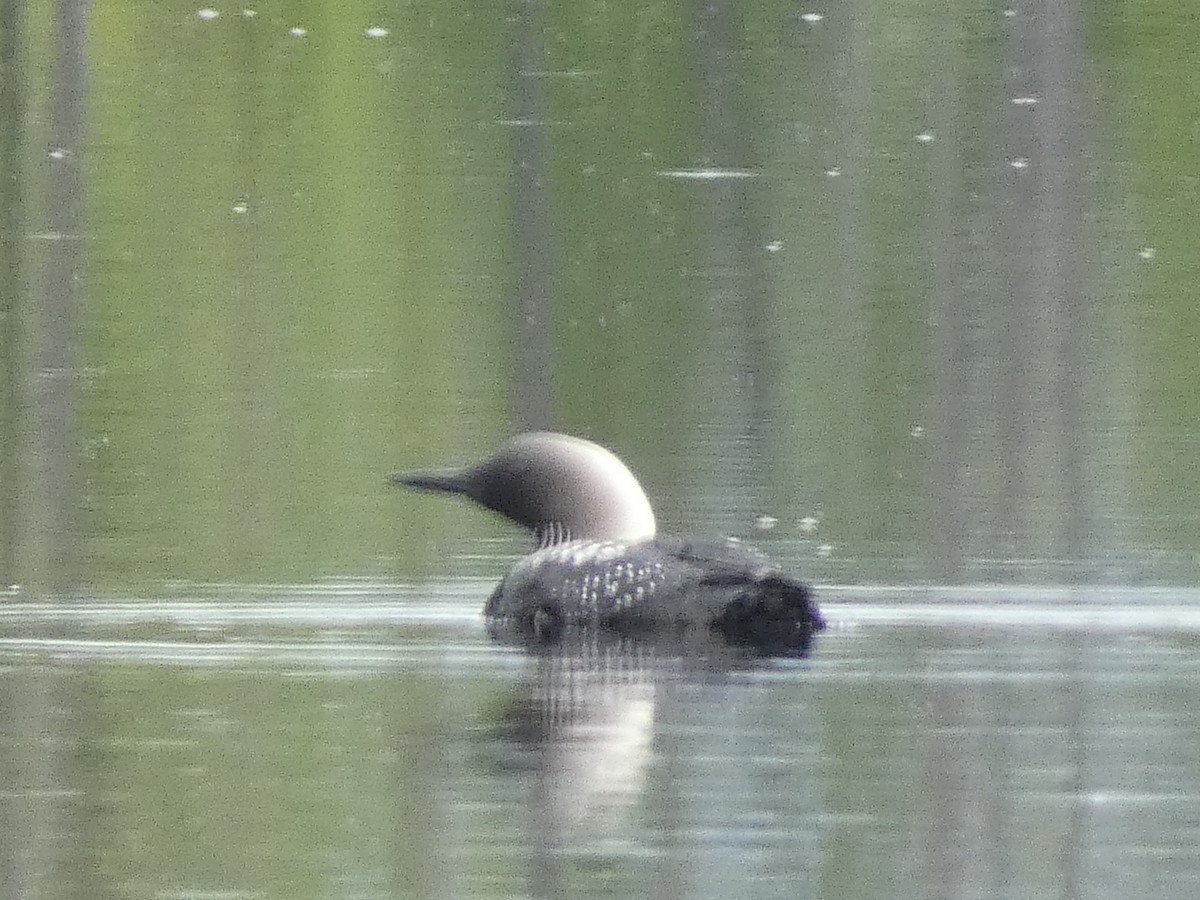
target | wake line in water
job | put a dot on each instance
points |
(456, 606)
(218, 613)
(334, 655)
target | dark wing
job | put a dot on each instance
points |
(721, 561)
(745, 596)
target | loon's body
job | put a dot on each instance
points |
(598, 558)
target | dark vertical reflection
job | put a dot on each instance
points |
(44, 836)
(1075, 835)
(43, 842)
(731, 291)
(55, 476)
(532, 218)
(1057, 45)
(672, 879)
(546, 875)
(848, 152)
(948, 243)
(947, 806)
(12, 115)
(1064, 263)
(1047, 328)
(1010, 466)
(1013, 311)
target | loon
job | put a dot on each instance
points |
(599, 560)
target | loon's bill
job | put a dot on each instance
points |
(598, 560)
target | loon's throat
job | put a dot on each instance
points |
(551, 534)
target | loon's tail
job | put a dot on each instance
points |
(773, 613)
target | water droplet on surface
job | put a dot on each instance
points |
(239, 208)
(765, 522)
(774, 246)
(833, 172)
(59, 153)
(206, 14)
(297, 31)
(812, 17)
(1024, 101)
(917, 432)
(1019, 163)
(825, 551)
(925, 137)
(376, 32)
(1146, 253)
(809, 524)
(249, 13)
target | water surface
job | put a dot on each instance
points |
(376, 743)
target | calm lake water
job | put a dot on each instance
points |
(905, 293)
(368, 741)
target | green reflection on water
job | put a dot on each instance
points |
(190, 780)
(301, 256)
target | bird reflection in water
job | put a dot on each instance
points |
(582, 727)
(585, 722)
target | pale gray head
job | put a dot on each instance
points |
(561, 487)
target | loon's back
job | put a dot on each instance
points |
(654, 585)
(599, 562)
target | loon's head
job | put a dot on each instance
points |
(559, 486)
